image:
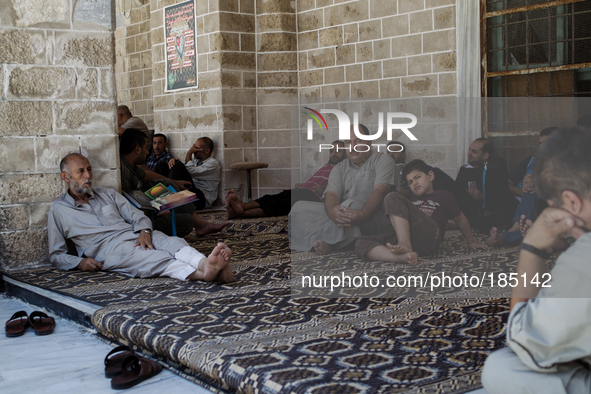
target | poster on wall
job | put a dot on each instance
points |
(181, 46)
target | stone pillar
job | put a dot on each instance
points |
(133, 64)
(235, 45)
(277, 85)
(56, 97)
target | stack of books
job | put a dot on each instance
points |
(164, 198)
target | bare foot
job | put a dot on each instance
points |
(399, 249)
(234, 206)
(322, 247)
(495, 239)
(412, 258)
(225, 276)
(209, 228)
(524, 225)
(217, 266)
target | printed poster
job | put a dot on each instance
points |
(181, 46)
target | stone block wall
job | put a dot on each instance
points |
(257, 56)
(56, 97)
(386, 49)
(133, 65)
(186, 115)
(236, 47)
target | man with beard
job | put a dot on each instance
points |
(133, 149)
(280, 204)
(111, 235)
(485, 178)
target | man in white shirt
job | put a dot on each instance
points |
(112, 235)
(201, 169)
(125, 120)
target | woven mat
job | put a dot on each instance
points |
(255, 262)
(254, 336)
(245, 227)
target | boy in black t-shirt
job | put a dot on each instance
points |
(418, 224)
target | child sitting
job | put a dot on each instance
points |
(418, 224)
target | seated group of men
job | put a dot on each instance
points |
(353, 200)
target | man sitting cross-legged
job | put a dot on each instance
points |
(280, 204)
(418, 225)
(111, 235)
(548, 331)
(133, 149)
(352, 202)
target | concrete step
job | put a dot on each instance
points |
(69, 308)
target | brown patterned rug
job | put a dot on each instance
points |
(256, 335)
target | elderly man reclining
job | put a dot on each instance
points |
(115, 236)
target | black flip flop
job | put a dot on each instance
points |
(17, 324)
(41, 323)
(135, 370)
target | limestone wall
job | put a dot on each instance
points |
(57, 96)
(133, 64)
(386, 49)
(257, 56)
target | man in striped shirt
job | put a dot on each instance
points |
(280, 204)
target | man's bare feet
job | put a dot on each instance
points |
(322, 247)
(209, 228)
(399, 249)
(524, 225)
(495, 239)
(234, 205)
(217, 266)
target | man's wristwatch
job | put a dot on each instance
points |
(147, 230)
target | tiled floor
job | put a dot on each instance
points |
(69, 361)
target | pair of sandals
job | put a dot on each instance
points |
(126, 369)
(20, 321)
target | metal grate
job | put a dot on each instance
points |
(537, 48)
(546, 37)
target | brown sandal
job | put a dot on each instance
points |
(17, 324)
(41, 323)
(114, 359)
(135, 370)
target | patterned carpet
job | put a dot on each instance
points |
(259, 335)
(246, 227)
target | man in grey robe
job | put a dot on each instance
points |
(352, 204)
(549, 327)
(110, 234)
